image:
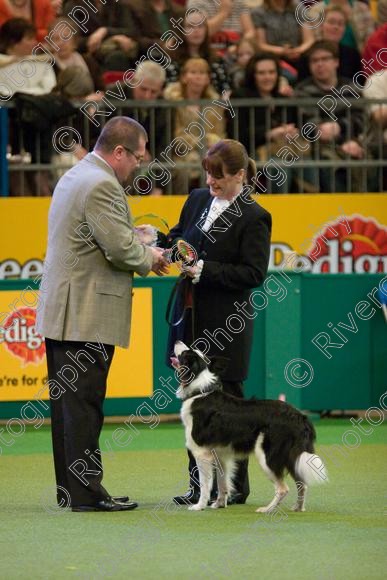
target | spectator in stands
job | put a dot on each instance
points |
(376, 88)
(17, 38)
(228, 21)
(341, 125)
(57, 6)
(280, 33)
(245, 50)
(374, 60)
(77, 75)
(38, 12)
(360, 22)
(262, 129)
(194, 84)
(382, 11)
(151, 19)
(196, 44)
(332, 29)
(110, 35)
(147, 84)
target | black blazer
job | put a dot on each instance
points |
(236, 253)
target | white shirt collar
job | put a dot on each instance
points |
(101, 158)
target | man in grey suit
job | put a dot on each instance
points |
(85, 305)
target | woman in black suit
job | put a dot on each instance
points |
(230, 233)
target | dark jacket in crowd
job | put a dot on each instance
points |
(350, 117)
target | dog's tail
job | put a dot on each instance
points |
(310, 469)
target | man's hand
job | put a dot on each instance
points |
(146, 234)
(160, 264)
(353, 149)
(329, 130)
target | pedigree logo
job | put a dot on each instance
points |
(359, 248)
(20, 338)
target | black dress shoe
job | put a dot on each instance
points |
(236, 498)
(120, 498)
(106, 505)
(189, 498)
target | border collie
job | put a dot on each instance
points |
(220, 426)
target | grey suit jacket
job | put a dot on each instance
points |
(92, 252)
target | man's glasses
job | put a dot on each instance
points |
(139, 158)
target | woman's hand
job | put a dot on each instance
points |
(95, 40)
(191, 271)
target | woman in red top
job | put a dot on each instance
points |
(39, 12)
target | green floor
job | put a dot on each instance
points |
(341, 536)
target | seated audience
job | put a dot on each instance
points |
(78, 76)
(17, 38)
(194, 84)
(228, 21)
(196, 44)
(332, 29)
(374, 60)
(262, 129)
(376, 88)
(360, 22)
(110, 35)
(38, 12)
(340, 125)
(280, 33)
(147, 85)
(151, 19)
(245, 50)
(382, 11)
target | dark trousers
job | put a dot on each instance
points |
(77, 375)
(241, 477)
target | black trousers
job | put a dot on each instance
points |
(241, 477)
(77, 375)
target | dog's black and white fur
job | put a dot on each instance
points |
(222, 427)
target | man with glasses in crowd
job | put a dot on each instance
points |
(340, 121)
(85, 305)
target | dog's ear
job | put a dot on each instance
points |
(218, 364)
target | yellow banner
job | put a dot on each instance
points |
(352, 228)
(23, 362)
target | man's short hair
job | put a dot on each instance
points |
(120, 131)
(326, 45)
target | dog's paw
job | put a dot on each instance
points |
(298, 508)
(218, 504)
(196, 507)
(265, 509)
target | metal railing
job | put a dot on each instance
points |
(35, 161)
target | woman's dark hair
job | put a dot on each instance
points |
(181, 53)
(250, 71)
(13, 31)
(229, 156)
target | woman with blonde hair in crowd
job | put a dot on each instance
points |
(194, 85)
